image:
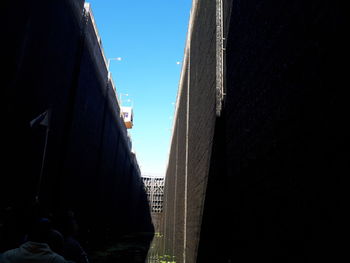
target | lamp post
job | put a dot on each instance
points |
(121, 94)
(109, 61)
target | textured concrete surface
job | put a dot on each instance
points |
(192, 138)
(264, 179)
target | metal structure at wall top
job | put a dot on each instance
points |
(128, 116)
(154, 187)
(153, 176)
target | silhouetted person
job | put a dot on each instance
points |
(11, 229)
(36, 249)
(56, 241)
(72, 248)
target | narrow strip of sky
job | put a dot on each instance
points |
(145, 41)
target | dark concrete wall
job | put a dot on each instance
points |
(278, 156)
(275, 166)
(54, 61)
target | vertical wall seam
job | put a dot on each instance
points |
(175, 195)
(186, 160)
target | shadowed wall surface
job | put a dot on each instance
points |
(272, 176)
(54, 61)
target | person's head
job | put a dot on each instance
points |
(56, 241)
(68, 224)
(39, 230)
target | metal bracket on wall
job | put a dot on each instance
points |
(219, 57)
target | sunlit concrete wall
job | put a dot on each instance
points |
(188, 167)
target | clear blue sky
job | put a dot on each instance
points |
(149, 36)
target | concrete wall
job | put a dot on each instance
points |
(55, 62)
(284, 128)
(263, 179)
(188, 167)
